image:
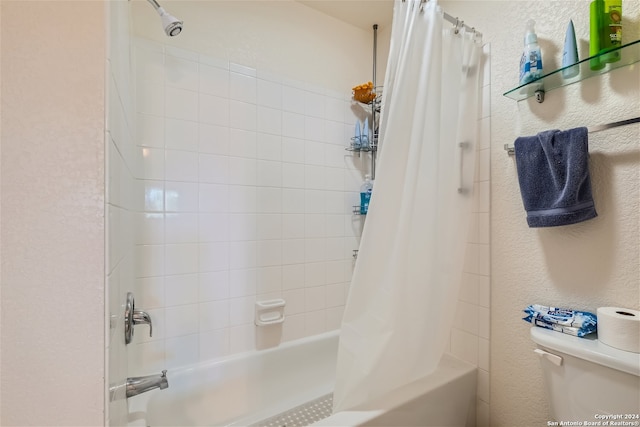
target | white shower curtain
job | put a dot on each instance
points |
(404, 289)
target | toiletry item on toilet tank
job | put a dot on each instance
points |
(568, 321)
(365, 194)
(611, 30)
(596, 10)
(531, 61)
(570, 53)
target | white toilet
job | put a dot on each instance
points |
(587, 380)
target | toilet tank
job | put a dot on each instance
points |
(587, 381)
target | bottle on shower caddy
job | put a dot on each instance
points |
(357, 137)
(365, 194)
(531, 60)
(365, 134)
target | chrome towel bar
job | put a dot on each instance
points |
(511, 150)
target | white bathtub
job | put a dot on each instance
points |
(244, 389)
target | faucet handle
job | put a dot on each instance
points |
(142, 318)
(134, 317)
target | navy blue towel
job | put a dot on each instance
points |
(553, 171)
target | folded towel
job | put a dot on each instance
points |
(572, 322)
(553, 173)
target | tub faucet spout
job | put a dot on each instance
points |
(138, 385)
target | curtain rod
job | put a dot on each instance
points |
(511, 150)
(460, 24)
(455, 21)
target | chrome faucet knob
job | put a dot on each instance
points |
(142, 318)
(134, 317)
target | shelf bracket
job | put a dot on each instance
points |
(540, 96)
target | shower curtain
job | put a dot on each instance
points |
(404, 289)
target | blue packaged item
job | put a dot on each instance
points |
(576, 332)
(365, 194)
(572, 322)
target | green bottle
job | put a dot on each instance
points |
(611, 35)
(596, 11)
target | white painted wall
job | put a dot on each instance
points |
(587, 265)
(53, 243)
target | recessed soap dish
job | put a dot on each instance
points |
(269, 312)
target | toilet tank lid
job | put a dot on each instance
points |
(588, 348)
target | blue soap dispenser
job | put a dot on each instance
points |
(531, 60)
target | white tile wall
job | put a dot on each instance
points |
(470, 338)
(124, 162)
(247, 196)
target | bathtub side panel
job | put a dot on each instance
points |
(449, 405)
(444, 398)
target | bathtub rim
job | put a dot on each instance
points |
(248, 354)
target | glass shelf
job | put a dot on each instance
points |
(628, 54)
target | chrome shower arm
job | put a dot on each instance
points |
(155, 4)
(172, 26)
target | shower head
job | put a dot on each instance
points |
(172, 25)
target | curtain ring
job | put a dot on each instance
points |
(459, 24)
